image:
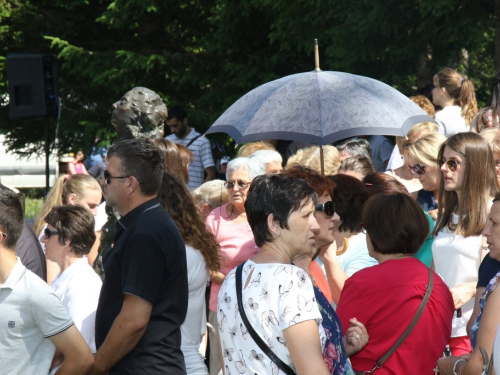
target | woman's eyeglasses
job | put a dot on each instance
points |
(418, 169)
(47, 233)
(328, 208)
(451, 164)
(241, 184)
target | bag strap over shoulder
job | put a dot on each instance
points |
(412, 325)
(192, 140)
(255, 336)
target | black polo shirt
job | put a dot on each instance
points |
(148, 260)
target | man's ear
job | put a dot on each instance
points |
(185, 121)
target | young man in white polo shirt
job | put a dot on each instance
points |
(33, 321)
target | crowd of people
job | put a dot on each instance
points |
(384, 260)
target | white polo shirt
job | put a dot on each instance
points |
(30, 313)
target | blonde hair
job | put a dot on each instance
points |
(460, 89)
(212, 193)
(249, 148)
(420, 129)
(310, 157)
(426, 149)
(77, 184)
(492, 136)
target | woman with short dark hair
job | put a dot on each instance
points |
(386, 297)
(348, 254)
(276, 296)
(68, 237)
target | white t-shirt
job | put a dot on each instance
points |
(78, 287)
(456, 260)
(396, 159)
(194, 326)
(276, 297)
(356, 256)
(450, 121)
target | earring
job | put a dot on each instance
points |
(278, 234)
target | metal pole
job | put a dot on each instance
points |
(47, 154)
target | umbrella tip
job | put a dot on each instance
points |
(316, 55)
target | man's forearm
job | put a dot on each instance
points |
(210, 171)
(121, 339)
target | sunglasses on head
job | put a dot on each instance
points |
(328, 208)
(241, 184)
(47, 233)
(451, 164)
(418, 169)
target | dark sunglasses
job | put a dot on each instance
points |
(241, 184)
(47, 233)
(107, 178)
(451, 164)
(418, 169)
(328, 208)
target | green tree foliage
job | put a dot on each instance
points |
(205, 54)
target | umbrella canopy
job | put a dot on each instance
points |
(319, 107)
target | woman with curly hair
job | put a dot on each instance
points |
(202, 257)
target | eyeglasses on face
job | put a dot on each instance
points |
(241, 184)
(107, 178)
(451, 164)
(418, 169)
(47, 233)
(328, 208)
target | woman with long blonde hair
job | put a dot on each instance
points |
(80, 189)
(467, 187)
(455, 94)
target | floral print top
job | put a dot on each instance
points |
(482, 302)
(334, 352)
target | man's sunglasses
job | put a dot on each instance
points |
(418, 169)
(451, 164)
(107, 178)
(328, 208)
(47, 233)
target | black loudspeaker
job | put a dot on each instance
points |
(33, 85)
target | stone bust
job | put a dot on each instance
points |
(139, 113)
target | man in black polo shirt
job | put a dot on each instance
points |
(144, 297)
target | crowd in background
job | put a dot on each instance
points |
(290, 263)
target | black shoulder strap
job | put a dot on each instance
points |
(192, 140)
(258, 340)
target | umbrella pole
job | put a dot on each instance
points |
(322, 160)
(316, 55)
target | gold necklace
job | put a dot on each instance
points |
(344, 247)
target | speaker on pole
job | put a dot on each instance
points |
(33, 85)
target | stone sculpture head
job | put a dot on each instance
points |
(140, 113)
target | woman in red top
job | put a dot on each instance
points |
(386, 296)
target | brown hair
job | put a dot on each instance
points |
(395, 224)
(349, 198)
(460, 89)
(75, 224)
(179, 203)
(424, 103)
(171, 155)
(249, 148)
(77, 184)
(357, 163)
(383, 183)
(479, 184)
(320, 184)
(186, 157)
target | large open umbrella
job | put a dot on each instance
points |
(319, 107)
